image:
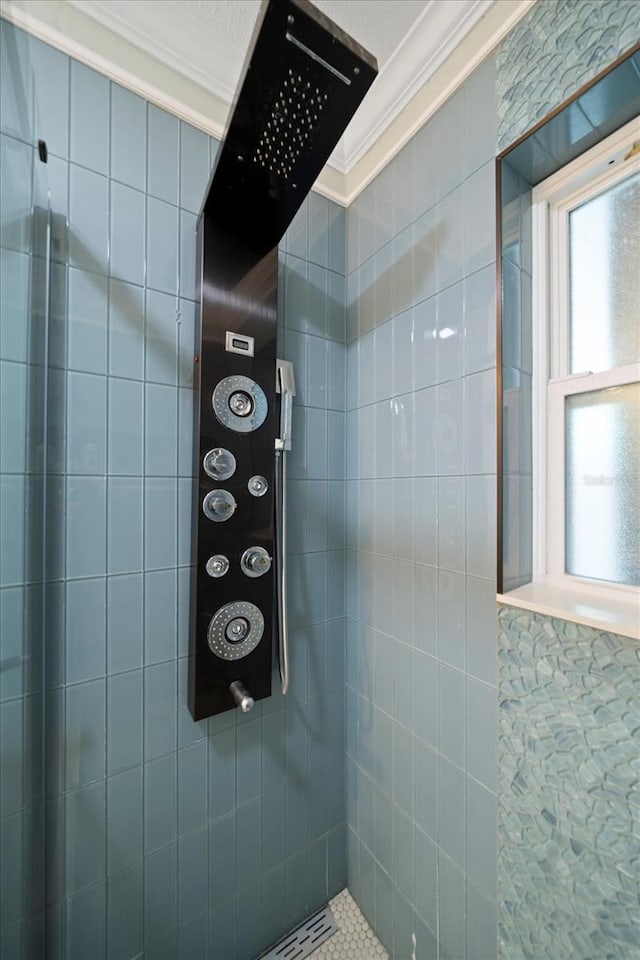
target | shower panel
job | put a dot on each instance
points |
(303, 81)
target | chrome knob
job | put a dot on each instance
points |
(219, 464)
(237, 629)
(217, 565)
(258, 486)
(241, 695)
(219, 505)
(255, 562)
(241, 404)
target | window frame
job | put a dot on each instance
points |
(611, 161)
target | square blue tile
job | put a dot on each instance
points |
(126, 330)
(452, 811)
(86, 526)
(192, 787)
(90, 110)
(15, 186)
(479, 226)
(160, 699)
(86, 922)
(127, 237)
(192, 877)
(124, 524)
(161, 337)
(124, 913)
(222, 773)
(162, 154)
(125, 821)
(86, 629)
(125, 427)
(194, 167)
(160, 895)
(89, 215)
(160, 616)
(162, 246)
(451, 714)
(16, 307)
(124, 730)
(85, 725)
(160, 430)
(160, 524)
(87, 337)
(13, 744)
(160, 803)
(86, 424)
(426, 789)
(16, 88)
(128, 137)
(14, 387)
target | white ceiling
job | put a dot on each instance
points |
(207, 41)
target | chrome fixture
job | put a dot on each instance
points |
(286, 387)
(241, 696)
(219, 464)
(217, 565)
(255, 562)
(219, 505)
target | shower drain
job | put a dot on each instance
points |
(305, 939)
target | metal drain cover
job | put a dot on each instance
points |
(302, 941)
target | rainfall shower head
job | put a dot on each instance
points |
(303, 81)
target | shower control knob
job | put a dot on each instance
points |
(258, 486)
(217, 565)
(219, 505)
(255, 562)
(219, 464)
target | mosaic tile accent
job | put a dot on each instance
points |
(355, 940)
(556, 48)
(568, 797)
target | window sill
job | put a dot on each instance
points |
(621, 616)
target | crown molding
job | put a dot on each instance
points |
(488, 31)
(405, 106)
(132, 28)
(436, 33)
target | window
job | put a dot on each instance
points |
(586, 408)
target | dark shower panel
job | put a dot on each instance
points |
(302, 83)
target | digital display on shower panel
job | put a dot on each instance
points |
(233, 523)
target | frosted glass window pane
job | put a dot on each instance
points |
(603, 483)
(604, 254)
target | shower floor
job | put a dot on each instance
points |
(354, 939)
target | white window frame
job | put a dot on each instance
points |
(607, 163)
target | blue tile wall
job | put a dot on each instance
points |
(166, 836)
(421, 619)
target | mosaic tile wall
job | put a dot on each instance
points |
(421, 635)
(557, 47)
(164, 835)
(569, 808)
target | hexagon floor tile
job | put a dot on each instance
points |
(354, 940)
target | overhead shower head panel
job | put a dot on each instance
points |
(303, 81)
